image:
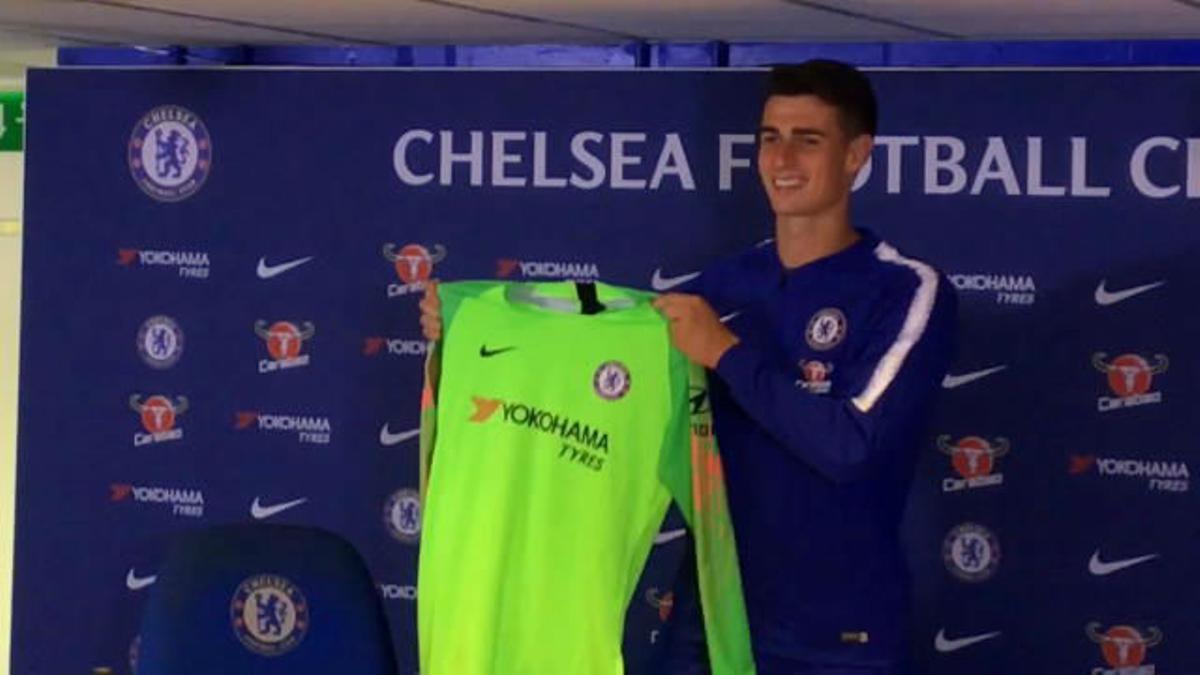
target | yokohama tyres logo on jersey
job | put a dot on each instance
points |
(581, 443)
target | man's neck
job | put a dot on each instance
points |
(800, 240)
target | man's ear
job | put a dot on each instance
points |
(859, 152)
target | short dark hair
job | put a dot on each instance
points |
(838, 84)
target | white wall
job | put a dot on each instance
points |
(12, 166)
(10, 275)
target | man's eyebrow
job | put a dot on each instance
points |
(795, 131)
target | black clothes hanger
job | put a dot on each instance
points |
(589, 303)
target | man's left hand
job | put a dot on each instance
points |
(695, 329)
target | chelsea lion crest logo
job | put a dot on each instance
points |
(269, 614)
(971, 552)
(826, 329)
(611, 380)
(170, 153)
(160, 342)
(402, 515)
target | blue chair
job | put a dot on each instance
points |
(261, 599)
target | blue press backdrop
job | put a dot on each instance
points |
(1062, 203)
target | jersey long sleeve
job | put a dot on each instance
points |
(894, 376)
(820, 410)
(552, 444)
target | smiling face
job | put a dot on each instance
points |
(806, 160)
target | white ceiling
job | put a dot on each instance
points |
(30, 29)
(592, 21)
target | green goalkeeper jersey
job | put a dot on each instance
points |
(552, 444)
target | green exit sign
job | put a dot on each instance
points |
(12, 121)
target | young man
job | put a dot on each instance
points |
(826, 366)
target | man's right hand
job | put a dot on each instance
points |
(431, 313)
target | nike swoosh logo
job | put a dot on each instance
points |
(669, 535)
(1104, 297)
(386, 437)
(660, 283)
(487, 353)
(259, 511)
(1100, 568)
(266, 271)
(954, 381)
(135, 583)
(729, 317)
(945, 645)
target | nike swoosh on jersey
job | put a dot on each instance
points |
(660, 283)
(946, 645)
(488, 353)
(135, 583)
(1100, 568)
(1105, 297)
(669, 535)
(386, 437)
(259, 511)
(266, 271)
(955, 381)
